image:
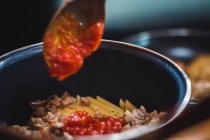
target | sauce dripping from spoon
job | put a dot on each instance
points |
(73, 34)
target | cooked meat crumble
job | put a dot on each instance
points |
(49, 116)
(139, 117)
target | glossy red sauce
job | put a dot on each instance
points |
(68, 42)
(82, 123)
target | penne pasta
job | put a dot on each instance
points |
(62, 111)
(104, 109)
(129, 106)
(87, 109)
(122, 104)
(102, 105)
(67, 111)
(109, 104)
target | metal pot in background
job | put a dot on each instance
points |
(177, 43)
(180, 44)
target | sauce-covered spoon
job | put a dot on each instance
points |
(73, 34)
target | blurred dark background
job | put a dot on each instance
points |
(24, 22)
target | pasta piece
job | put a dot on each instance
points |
(87, 109)
(100, 104)
(129, 106)
(78, 98)
(102, 111)
(105, 109)
(109, 104)
(62, 111)
(122, 104)
(66, 111)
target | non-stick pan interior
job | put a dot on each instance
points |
(115, 71)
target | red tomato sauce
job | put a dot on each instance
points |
(68, 42)
(82, 123)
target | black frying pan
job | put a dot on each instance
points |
(179, 44)
(117, 70)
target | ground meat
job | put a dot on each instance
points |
(42, 107)
(49, 127)
(85, 101)
(40, 111)
(67, 100)
(38, 107)
(139, 117)
(25, 130)
(98, 113)
(53, 103)
(38, 122)
(48, 119)
(67, 136)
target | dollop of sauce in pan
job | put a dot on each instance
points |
(82, 123)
